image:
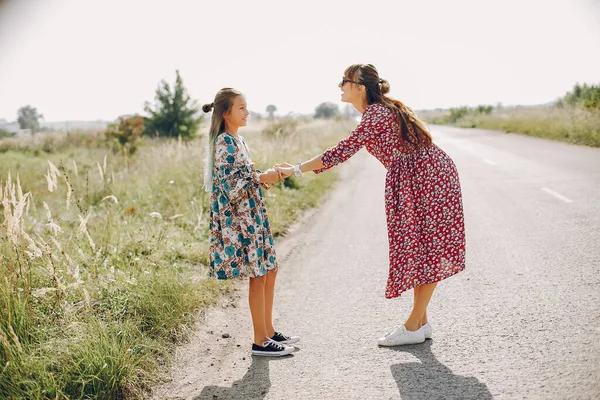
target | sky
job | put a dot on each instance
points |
(99, 59)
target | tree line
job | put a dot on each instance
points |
(173, 114)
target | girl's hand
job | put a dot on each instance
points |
(270, 176)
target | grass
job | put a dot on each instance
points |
(568, 124)
(103, 258)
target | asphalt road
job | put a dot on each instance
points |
(521, 322)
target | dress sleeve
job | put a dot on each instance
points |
(234, 174)
(350, 145)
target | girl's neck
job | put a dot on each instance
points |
(232, 130)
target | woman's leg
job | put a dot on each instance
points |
(422, 296)
(269, 296)
(256, 300)
(416, 294)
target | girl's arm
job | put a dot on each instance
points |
(234, 175)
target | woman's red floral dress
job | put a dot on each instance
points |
(423, 202)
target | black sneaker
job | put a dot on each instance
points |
(281, 338)
(271, 348)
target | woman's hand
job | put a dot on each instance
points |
(285, 169)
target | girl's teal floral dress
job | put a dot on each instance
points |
(241, 243)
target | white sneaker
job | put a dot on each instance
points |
(427, 330)
(401, 336)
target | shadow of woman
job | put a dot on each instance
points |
(431, 379)
(254, 385)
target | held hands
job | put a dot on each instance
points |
(285, 169)
(278, 172)
(271, 176)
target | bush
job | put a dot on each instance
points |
(327, 110)
(457, 113)
(585, 96)
(281, 127)
(4, 133)
(124, 136)
(484, 109)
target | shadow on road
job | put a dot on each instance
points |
(254, 385)
(431, 379)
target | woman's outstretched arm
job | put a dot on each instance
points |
(312, 164)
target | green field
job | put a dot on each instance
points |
(572, 125)
(574, 118)
(103, 258)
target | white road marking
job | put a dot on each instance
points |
(489, 161)
(557, 195)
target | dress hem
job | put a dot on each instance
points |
(398, 293)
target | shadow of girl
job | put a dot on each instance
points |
(254, 385)
(431, 379)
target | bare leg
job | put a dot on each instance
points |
(422, 296)
(269, 295)
(256, 300)
(424, 319)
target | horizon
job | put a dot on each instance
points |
(99, 60)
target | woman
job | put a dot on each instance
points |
(423, 200)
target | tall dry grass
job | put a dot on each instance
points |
(103, 259)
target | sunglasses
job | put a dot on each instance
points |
(344, 80)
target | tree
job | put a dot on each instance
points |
(175, 113)
(29, 118)
(271, 110)
(483, 109)
(586, 96)
(327, 110)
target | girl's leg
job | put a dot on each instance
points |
(422, 297)
(269, 295)
(256, 300)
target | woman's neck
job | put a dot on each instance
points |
(361, 105)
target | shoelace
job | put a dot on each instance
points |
(273, 344)
(282, 335)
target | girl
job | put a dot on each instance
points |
(241, 243)
(423, 200)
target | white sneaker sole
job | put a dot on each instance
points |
(291, 341)
(403, 343)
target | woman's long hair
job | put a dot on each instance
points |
(412, 129)
(220, 106)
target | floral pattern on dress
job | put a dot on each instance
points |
(423, 201)
(241, 243)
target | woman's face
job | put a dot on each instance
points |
(351, 91)
(238, 114)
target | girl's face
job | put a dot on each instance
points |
(238, 114)
(351, 92)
